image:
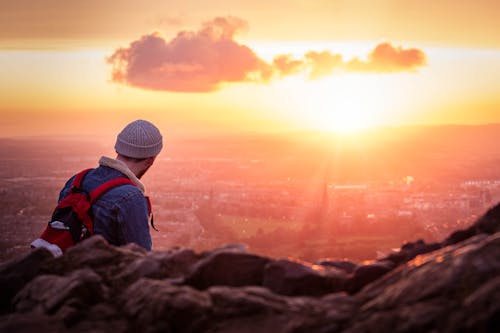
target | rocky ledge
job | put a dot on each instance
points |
(453, 286)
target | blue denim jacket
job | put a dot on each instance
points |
(121, 215)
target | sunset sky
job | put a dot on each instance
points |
(89, 67)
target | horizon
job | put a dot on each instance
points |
(179, 136)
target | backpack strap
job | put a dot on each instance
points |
(77, 181)
(101, 189)
(76, 185)
(150, 213)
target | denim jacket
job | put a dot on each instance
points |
(121, 215)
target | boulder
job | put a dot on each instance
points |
(480, 311)
(410, 250)
(489, 223)
(294, 278)
(345, 265)
(429, 292)
(238, 248)
(158, 306)
(95, 253)
(227, 269)
(364, 274)
(257, 309)
(14, 274)
(176, 263)
(46, 294)
(35, 322)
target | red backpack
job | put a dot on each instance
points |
(71, 221)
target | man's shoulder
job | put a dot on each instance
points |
(102, 175)
(121, 196)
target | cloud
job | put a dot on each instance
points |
(285, 65)
(322, 63)
(203, 60)
(384, 58)
(387, 58)
(192, 61)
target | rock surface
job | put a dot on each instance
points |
(453, 286)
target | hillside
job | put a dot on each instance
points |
(451, 286)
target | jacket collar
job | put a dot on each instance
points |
(123, 168)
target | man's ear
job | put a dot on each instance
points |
(150, 161)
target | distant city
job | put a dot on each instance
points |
(280, 197)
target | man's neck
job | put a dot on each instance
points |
(136, 168)
(122, 167)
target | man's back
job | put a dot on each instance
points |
(120, 215)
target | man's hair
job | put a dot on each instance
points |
(133, 159)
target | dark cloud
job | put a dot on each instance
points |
(201, 61)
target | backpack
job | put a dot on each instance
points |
(71, 220)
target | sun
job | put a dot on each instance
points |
(346, 104)
(342, 115)
(341, 103)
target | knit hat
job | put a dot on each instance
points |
(139, 139)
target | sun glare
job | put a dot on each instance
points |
(344, 114)
(344, 104)
(344, 101)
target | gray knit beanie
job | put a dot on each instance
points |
(139, 139)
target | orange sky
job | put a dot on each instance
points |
(259, 65)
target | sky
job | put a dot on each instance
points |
(89, 67)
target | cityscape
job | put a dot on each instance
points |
(287, 197)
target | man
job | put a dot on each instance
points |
(121, 215)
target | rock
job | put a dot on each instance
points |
(157, 306)
(46, 294)
(459, 236)
(480, 310)
(176, 263)
(21, 323)
(231, 302)
(294, 278)
(397, 258)
(413, 249)
(345, 265)
(424, 293)
(133, 247)
(489, 223)
(97, 254)
(410, 250)
(422, 248)
(420, 317)
(139, 268)
(340, 306)
(14, 274)
(238, 248)
(102, 317)
(367, 273)
(227, 269)
(257, 309)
